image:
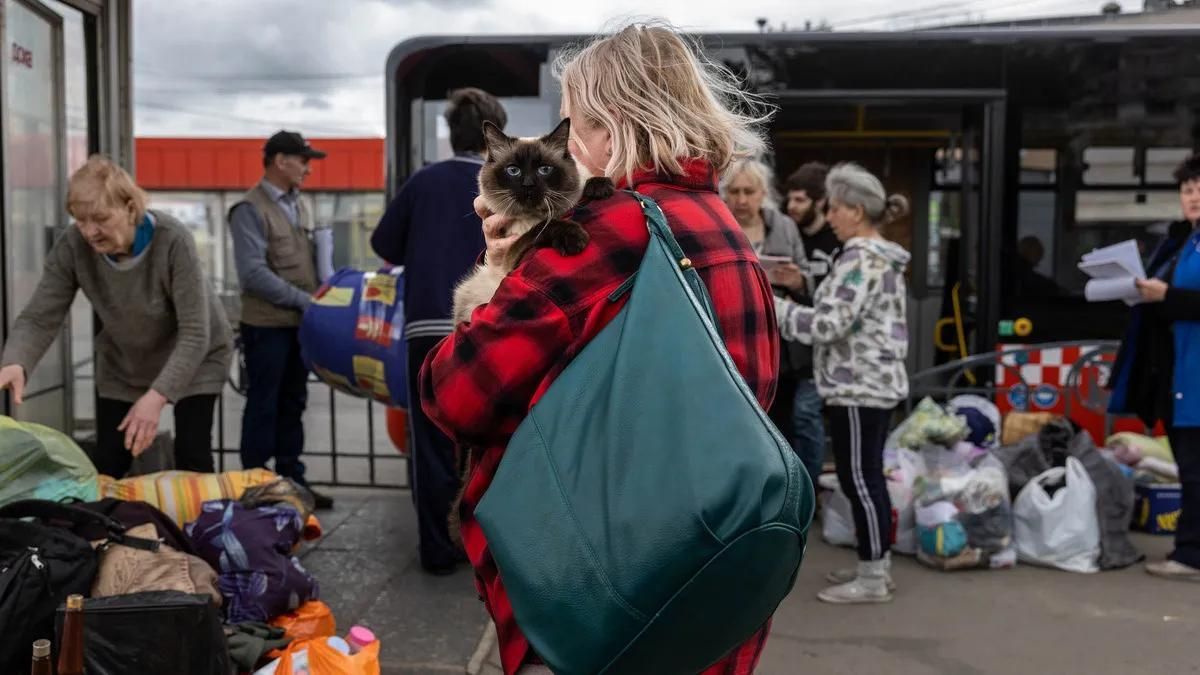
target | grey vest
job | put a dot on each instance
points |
(290, 255)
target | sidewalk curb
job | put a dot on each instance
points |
(486, 642)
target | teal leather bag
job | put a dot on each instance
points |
(647, 517)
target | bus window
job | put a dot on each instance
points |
(527, 116)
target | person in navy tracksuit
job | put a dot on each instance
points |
(432, 230)
(1157, 373)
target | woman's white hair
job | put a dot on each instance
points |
(661, 99)
(758, 171)
(854, 186)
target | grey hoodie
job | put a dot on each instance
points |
(857, 325)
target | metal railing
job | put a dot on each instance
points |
(237, 383)
(1080, 391)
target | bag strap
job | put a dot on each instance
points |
(656, 222)
(46, 510)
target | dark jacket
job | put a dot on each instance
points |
(1146, 380)
(431, 229)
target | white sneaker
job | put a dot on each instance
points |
(848, 574)
(868, 587)
(1170, 569)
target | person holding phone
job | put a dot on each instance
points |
(748, 189)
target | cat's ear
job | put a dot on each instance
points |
(495, 139)
(558, 138)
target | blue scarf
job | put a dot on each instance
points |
(141, 237)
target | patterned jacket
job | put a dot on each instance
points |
(858, 325)
(479, 383)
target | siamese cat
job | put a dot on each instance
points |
(534, 181)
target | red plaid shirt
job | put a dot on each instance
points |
(480, 382)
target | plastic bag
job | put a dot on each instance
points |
(325, 660)
(313, 619)
(837, 520)
(902, 467)
(1137, 446)
(962, 511)
(1062, 530)
(837, 517)
(37, 462)
(352, 335)
(928, 424)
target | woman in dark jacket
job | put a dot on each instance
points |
(1157, 374)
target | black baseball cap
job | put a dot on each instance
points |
(290, 143)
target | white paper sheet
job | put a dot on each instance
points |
(1114, 271)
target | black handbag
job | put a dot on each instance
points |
(42, 561)
(152, 632)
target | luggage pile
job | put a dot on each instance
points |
(176, 572)
(971, 489)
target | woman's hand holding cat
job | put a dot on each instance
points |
(495, 231)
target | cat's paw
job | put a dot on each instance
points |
(598, 188)
(569, 239)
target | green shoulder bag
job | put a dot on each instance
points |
(647, 517)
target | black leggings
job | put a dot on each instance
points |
(859, 435)
(193, 435)
(1185, 444)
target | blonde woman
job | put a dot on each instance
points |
(164, 337)
(650, 112)
(859, 328)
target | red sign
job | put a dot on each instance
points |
(22, 55)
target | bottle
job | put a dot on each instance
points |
(359, 637)
(41, 658)
(70, 652)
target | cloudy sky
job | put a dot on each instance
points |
(247, 67)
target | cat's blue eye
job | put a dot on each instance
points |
(512, 170)
(545, 170)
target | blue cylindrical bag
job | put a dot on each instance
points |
(352, 335)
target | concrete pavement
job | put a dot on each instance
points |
(1020, 620)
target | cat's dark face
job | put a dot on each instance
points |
(529, 177)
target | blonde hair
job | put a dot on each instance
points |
(758, 170)
(854, 186)
(661, 99)
(100, 182)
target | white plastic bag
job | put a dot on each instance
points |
(1061, 530)
(837, 520)
(903, 467)
(837, 517)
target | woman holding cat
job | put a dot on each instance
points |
(648, 111)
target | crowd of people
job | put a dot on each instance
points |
(808, 295)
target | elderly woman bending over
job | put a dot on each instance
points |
(164, 337)
(860, 335)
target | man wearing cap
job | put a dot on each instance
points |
(275, 252)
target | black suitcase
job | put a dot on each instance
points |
(152, 632)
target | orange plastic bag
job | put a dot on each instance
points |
(325, 660)
(313, 619)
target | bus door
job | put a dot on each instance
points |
(930, 147)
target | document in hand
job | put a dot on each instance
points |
(1114, 271)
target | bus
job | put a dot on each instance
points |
(1020, 149)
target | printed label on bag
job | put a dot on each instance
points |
(376, 309)
(335, 297)
(369, 374)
